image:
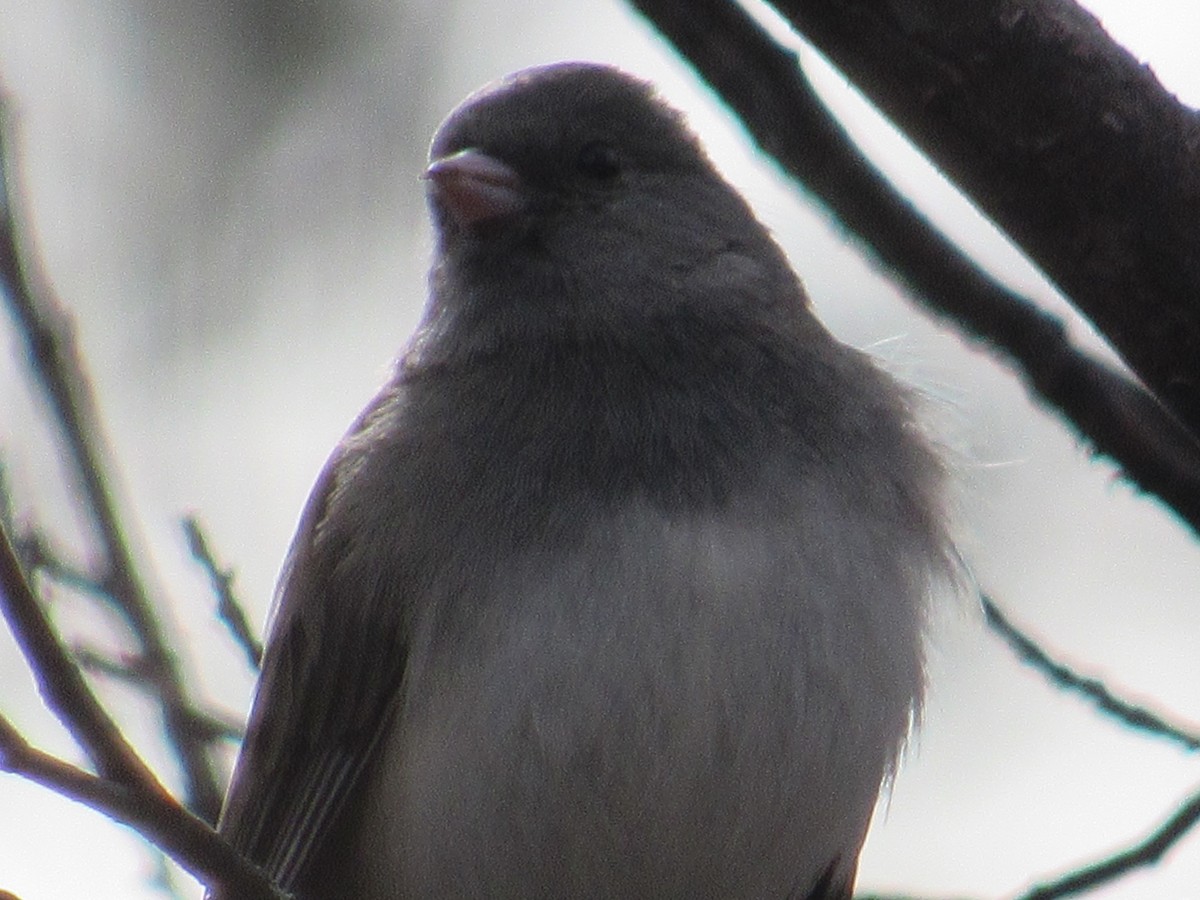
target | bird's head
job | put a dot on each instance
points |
(574, 193)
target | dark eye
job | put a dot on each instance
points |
(598, 160)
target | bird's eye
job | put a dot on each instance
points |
(599, 160)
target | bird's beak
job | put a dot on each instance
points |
(474, 187)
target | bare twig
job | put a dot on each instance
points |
(54, 360)
(60, 682)
(152, 813)
(229, 608)
(1144, 853)
(1080, 880)
(763, 84)
(211, 726)
(1128, 714)
(37, 555)
(217, 726)
(99, 662)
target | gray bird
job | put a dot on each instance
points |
(617, 588)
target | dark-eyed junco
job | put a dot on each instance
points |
(617, 587)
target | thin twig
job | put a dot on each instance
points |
(1117, 865)
(219, 727)
(152, 813)
(229, 608)
(763, 84)
(60, 682)
(54, 359)
(1128, 714)
(210, 726)
(37, 554)
(100, 662)
(1144, 853)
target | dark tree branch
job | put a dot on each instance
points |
(1144, 853)
(1058, 135)
(152, 813)
(216, 726)
(60, 682)
(127, 669)
(762, 83)
(1128, 714)
(229, 608)
(38, 556)
(126, 789)
(209, 726)
(53, 358)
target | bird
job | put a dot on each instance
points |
(619, 586)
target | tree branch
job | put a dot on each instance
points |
(38, 556)
(53, 358)
(1144, 853)
(1059, 136)
(154, 814)
(60, 682)
(1131, 715)
(229, 609)
(763, 84)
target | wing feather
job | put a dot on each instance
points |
(331, 673)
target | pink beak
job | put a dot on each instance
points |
(475, 187)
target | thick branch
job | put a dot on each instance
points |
(761, 82)
(1057, 134)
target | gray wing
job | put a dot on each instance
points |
(331, 675)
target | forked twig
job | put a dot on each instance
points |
(53, 358)
(229, 608)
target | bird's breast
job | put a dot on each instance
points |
(675, 704)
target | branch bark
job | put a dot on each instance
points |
(229, 607)
(60, 682)
(1144, 853)
(126, 789)
(1058, 134)
(763, 84)
(154, 814)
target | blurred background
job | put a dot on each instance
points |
(225, 194)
